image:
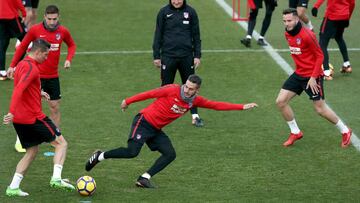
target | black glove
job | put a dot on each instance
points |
(314, 11)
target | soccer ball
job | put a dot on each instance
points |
(86, 185)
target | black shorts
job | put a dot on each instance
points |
(34, 134)
(271, 3)
(31, 3)
(170, 65)
(332, 28)
(297, 84)
(12, 28)
(298, 3)
(143, 132)
(52, 87)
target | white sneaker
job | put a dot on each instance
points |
(3, 75)
(327, 72)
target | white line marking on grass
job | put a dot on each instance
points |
(135, 52)
(277, 58)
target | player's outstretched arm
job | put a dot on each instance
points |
(250, 106)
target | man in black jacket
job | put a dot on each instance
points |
(177, 45)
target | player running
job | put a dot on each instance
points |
(308, 77)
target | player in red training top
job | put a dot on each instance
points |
(30, 123)
(336, 19)
(172, 101)
(55, 34)
(307, 77)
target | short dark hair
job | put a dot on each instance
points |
(195, 79)
(290, 11)
(52, 9)
(40, 44)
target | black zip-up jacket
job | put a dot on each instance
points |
(177, 32)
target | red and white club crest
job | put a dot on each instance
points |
(186, 15)
(298, 41)
(57, 36)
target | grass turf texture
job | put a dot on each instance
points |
(237, 156)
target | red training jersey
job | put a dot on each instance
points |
(306, 53)
(9, 9)
(337, 9)
(169, 105)
(48, 69)
(25, 102)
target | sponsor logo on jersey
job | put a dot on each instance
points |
(177, 109)
(138, 136)
(54, 47)
(169, 15)
(186, 15)
(295, 50)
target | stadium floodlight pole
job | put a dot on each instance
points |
(236, 7)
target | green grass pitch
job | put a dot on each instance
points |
(237, 157)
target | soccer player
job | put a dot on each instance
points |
(172, 101)
(31, 124)
(336, 19)
(270, 7)
(11, 26)
(307, 77)
(177, 45)
(50, 30)
(301, 7)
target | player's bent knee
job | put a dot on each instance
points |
(33, 150)
(132, 153)
(172, 157)
(280, 103)
(54, 104)
(60, 142)
(320, 109)
(54, 109)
